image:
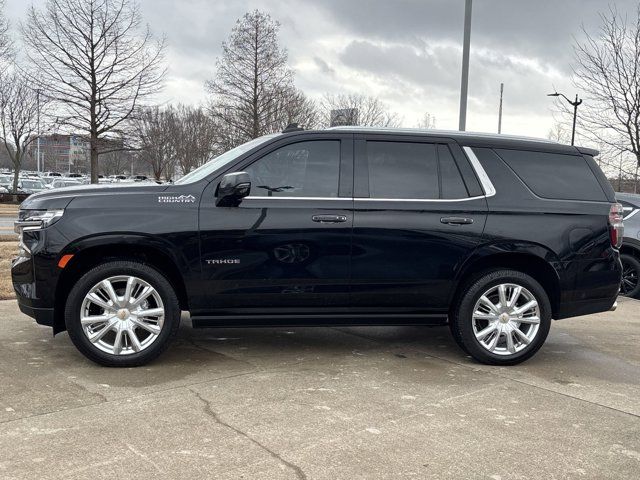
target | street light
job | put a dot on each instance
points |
(575, 111)
(464, 83)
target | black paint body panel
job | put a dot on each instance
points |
(267, 262)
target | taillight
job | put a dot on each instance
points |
(616, 227)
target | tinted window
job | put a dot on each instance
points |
(553, 175)
(451, 179)
(305, 169)
(402, 170)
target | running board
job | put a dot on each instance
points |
(317, 320)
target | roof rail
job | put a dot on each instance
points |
(293, 127)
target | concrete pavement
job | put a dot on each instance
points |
(324, 403)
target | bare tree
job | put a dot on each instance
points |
(154, 129)
(427, 121)
(559, 133)
(250, 77)
(18, 118)
(608, 72)
(96, 60)
(372, 112)
(194, 137)
(6, 43)
(294, 106)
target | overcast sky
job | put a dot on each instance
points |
(408, 52)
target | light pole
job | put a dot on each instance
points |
(575, 111)
(500, 109)
(464, 83)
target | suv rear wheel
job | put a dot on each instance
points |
(122, 314)
(503, 318)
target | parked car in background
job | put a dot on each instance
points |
(31, 185)
(139, 178)
(118, 178)
(52, 174)
(6, 181)
(630, 250)
(65, 182)
(48, 181)
(494, 235)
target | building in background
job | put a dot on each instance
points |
(62, 153)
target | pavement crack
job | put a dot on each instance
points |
(208, 410)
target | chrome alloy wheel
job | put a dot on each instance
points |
(122, 315)
(506, 319)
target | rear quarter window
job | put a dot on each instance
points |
(554, 175)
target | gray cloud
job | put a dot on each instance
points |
(406, 51)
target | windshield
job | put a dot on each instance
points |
(221, 160)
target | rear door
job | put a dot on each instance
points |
(419, 212)
(287, 246)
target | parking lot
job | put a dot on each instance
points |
(326, 403)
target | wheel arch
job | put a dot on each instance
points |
(535, 261)
(630, 246)
(97, 250)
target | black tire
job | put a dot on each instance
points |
(122, 268)
(461, 322)
(630, 285)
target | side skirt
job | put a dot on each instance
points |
(317, 320)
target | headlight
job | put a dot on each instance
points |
(36, 219)
(30, 220)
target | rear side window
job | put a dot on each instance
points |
(402, 170)
(407, 170)
(553, 175)
(452, 184)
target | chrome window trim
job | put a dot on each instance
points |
(485, 181)
(368, 199)
(296, 198)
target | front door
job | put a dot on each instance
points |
(287, 246)
(419, 212)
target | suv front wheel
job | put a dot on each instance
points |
(122, 314)
(502, 318)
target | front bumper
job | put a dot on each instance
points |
(42, 316)
(34, 278)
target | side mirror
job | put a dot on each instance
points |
(232, 189)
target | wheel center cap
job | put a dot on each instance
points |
(504, 318)
(123, 314)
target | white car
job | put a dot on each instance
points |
(65, 182)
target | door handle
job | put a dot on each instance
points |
(456, 220)
(329, 218)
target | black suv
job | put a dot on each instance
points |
(495, 235)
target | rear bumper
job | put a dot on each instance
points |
(586, 307)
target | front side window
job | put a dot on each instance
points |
(304, 169)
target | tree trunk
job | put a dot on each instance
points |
(94, 157)
(16, 173)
